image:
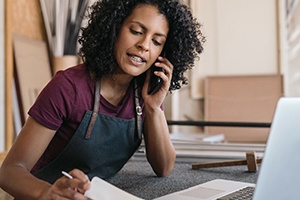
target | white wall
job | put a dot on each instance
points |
(291, 35)
(242, 39)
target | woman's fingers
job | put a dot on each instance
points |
(71, 187)
(81, 180)
(167, 67)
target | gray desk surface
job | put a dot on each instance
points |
(137, 178)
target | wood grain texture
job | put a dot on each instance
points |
(28, 19)
(22, 17)
(9, 75)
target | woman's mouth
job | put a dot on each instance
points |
(136, 58)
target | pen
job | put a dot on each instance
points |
(67, 174)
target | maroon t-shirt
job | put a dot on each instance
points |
(62, 103)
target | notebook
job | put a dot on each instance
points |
(279, 175)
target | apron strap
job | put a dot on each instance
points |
(95, 111)
(138, 110)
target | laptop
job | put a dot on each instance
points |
(279, 175)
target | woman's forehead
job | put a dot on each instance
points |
(150, 17)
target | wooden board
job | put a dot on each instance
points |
(33, 70)
(21, 17)
(2, 80)
(242, 99)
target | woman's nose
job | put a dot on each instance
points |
(144, 44)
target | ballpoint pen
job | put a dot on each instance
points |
(67, 174)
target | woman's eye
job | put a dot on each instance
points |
(135, 32)
(155, 42)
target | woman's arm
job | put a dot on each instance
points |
(15, 176)
(159, 148)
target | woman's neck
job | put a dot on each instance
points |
(114, 88)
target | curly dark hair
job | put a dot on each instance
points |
(183, 45)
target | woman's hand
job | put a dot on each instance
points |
(156, 99)
(66, 188)
(160, 151)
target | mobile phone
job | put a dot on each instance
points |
(155, 81)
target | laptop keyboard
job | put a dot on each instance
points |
(242, 194)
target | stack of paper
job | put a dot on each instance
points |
(191, 146)
(178, 138)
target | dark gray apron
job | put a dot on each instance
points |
(101, 145)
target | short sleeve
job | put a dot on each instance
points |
(54, 103)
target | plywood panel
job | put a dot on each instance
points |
(242, 99)
(2, 106)
(25, 18)
(33, 70)
(8, 75)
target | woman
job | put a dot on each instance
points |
(90, 118)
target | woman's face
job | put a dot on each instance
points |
(141, 39)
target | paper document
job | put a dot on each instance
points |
(102, 190)
(196, 137)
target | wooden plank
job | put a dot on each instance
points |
(28, 19)
(2, 156)
(25, 18)
(27, 66)
(9, 75)
(241, 99)
(2, 105)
